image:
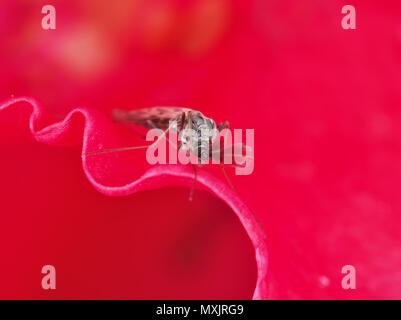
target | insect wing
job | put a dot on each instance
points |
(157, 117)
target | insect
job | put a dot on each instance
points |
(196, 132)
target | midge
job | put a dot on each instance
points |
(197, 135)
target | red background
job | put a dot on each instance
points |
(325, 106)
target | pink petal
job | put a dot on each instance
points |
(103, 173)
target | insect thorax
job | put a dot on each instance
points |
(197, 139)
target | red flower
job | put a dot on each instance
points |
(181, 252)
(324, 103)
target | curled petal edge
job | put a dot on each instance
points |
(66, 131)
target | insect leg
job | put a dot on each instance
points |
(223, 125)
(130, 148)
(191, 193)
(226, 176)
(113, 150)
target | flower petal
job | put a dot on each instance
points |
(105, 175)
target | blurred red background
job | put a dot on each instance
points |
(324, 103)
